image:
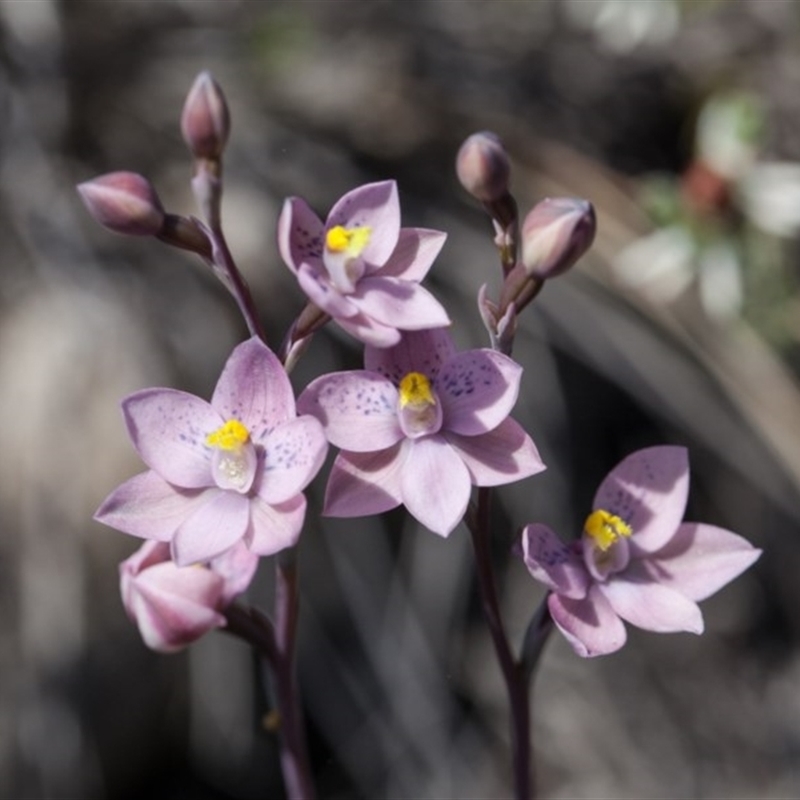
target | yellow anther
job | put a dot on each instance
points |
(231, 436)
(605, 528)
(415, 391)
(347, 240)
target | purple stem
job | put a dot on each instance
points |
(515, 677)
(276, 644)
(294, 754)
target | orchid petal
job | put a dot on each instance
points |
(418, 351)
(700, 559)
(369, 331)
(478, 389)
(648, 489)
(416, 251)
(320, 291)
(652, 607)
(435, 484)
(553, 563)
(236, 566)
(212, 529)
(357, 409)
(274, 528)
(375, 206)
(590, 625)
(501, 456)
(300, 234)
(398, 303)
(173, 606)
(294, 452)
(149, 507)
(168, 428)
(254, 388)
(149, 554)
(361, 484)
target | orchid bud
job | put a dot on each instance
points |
(205, 121)
(482, 166)
(501, 327)
(174, 606)
(555, 234)
(124, 202)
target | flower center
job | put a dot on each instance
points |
(605, 528)
(233, 464)
(420, 412)
(350, 241)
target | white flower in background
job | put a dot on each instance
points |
(623, 25)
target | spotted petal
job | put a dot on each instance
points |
(648, 489)
(300, 234)
(294, 452)
(168, 428)
(418, 351)
(478, 389)
(357, 409)
(553, 563)
(254, 388)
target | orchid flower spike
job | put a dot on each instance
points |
(636, 560)
(222, 472)
(360, 266)
(419, 426)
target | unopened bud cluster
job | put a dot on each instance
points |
(554, 235)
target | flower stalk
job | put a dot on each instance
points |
(515, 674)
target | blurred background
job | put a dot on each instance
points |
(680, 121)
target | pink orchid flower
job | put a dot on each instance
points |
(637, 560)
(220, 472)
(174, 606)
(360, 266)
(419, 426)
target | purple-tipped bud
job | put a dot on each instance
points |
(482, 166)
(205, 121)
(124, 202)
(555, 234)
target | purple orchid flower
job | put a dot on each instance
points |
(636, 560)
(220, 472)
(419, 426)
(174, 606)
(360, 266)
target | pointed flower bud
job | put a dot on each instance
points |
(482, 166)
(124, 202)
(205, 121)
(555, 234)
